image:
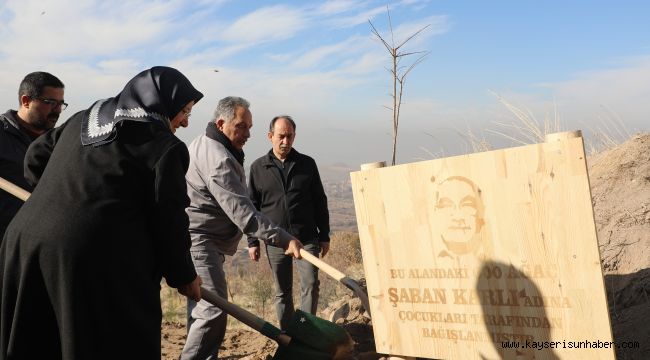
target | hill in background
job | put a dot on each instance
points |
(340, 204)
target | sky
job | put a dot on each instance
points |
(566, 65)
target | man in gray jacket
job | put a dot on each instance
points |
(40, 102)
(220, 212)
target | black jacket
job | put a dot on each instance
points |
(301, 207)
(13, 146)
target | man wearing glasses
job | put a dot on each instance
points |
(40, 100)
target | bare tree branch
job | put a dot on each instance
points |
(411, 37)
(390, 26)
(411, 53)
(376, 33)
(398, 73)
(414, 64)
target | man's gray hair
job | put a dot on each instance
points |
(226, 107)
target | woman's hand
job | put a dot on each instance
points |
(192, 290)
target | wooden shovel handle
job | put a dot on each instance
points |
(325, 267)
(240, 314)
(14, 190)
(245, 317)
(339, 276)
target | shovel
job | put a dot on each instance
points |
(308, 337)
(338, 276)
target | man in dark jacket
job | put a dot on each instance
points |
(285, 186)
(40, 100)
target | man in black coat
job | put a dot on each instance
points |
(40, 99)
(285, 186)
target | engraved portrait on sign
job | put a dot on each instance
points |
(459, 217)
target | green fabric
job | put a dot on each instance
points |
(312, 338)
(270, 331)
(317, 333)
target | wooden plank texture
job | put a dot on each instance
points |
(465, 253)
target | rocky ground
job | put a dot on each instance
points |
(620, 191)
(238, 344)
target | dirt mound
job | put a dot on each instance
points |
(620, 190)
(238, 344)
(348, 313)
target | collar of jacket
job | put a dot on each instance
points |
(292, 157)
(10, 117)
(11, 123)
(215, 134)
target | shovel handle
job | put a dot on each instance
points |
(14, 190)
(339, 276)
(245, 317)
(325, 267)
(232, 309)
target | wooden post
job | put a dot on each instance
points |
(375, 165)
(559, 136)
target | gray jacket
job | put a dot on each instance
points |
(220, 210)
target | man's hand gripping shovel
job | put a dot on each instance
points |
(338, 276)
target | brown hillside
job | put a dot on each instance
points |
(620, 190)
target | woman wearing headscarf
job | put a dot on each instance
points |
(82, 261)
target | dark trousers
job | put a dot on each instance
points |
(282, 268)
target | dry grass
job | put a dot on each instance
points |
(345, 256)
(606, 133)
(526, 129)
(475, 143)
(173, 305)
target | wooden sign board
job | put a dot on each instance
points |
(491, 255)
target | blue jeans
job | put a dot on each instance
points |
(206, 323)
(282, 268)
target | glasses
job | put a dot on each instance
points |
(187, 113)
(53, 103)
